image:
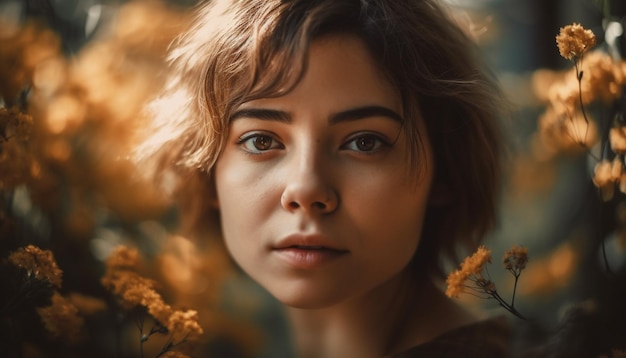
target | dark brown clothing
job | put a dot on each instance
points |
(486, 339)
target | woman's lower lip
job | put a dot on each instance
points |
(308, 258)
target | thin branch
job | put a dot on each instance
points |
(508, 307)
(514, 290)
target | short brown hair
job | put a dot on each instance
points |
(238, 50)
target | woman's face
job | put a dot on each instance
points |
(316, 197)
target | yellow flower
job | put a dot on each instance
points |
(61, 319)
(455, 283)
(606, 175)
(617, 138)
(14, 124)
(184, 326)
(474, 264)
(515, 259)
(604, 78)
(471, 267)
(39, 263)
(131, 288)
(134, 290)
(574, 40)
(87, 305)
(123, 257)
(481, 285)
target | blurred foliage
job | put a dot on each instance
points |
(565, 187)
(74, 76)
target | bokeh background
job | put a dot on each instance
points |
(74, 75)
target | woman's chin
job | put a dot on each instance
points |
(306, 299)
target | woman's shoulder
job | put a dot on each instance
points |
(488, 338)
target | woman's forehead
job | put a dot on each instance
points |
(339, 72)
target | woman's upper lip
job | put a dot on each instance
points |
(307, 241)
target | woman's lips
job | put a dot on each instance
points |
(308, 251)
(308, 257)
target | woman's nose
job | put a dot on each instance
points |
(308, 189)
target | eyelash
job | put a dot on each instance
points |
(380, 144)
(246, 138)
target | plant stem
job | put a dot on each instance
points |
(506, 306)
(514, 290)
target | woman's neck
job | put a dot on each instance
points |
(392, 317)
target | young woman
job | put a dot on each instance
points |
(347, 147)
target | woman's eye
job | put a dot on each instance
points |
(365, 143)
(257, 143)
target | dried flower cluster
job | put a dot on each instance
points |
(565, 124)
(585, 113)
(472, 277)
(86, 305)
(608, 175)
(604, 81)
(515, 259)
(83, 111)
(134, 290)
(66, 129)
(61, 319)
(14, 124)
(21, 51)
(472, 270)
(15, 159)
(38, 263)
(574, 40)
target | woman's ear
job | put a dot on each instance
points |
(440, 195)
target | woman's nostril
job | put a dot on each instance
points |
(312, 199)
(318, 205)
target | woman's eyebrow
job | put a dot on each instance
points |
(262, 114)
(365, 112)
(351, 114)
